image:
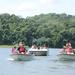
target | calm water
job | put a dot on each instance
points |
(40, 65)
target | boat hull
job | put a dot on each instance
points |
(36, 52)
(67, 56)
(21, 57)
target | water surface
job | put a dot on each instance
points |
(39, 65)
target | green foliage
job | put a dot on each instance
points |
(51, 29)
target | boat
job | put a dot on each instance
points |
(66, 56)
(21, 57)
(38, 52)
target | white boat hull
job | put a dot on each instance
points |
(67, 56)
(39, 52)
(21, 57)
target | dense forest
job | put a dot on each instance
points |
(51, 29)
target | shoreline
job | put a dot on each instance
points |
(6, 46)
(10, 46)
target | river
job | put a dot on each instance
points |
(39, 65)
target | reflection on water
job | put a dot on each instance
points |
(40, 65)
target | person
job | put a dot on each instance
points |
(68, 43)
(14, 50)
(33, 46)
(21, 48)
(45, 46)
(68, 48)
(21, 44)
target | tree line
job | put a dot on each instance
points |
(51, 29)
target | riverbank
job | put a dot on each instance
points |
(6, 46)
(10, 46)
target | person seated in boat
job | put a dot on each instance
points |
(21, 48)
(14, 51)
(41, 47)
(69, 49)
(33, 46)
(45, 46)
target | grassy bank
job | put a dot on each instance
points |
(6, 46)
(10, 46)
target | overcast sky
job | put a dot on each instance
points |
(26, 8)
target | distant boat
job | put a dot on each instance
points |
(21, 57)
(38, 52)
(66, 56)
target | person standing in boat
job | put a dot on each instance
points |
(21, 48)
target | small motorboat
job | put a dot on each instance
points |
(38, 52)
(21, 57)
(66, 56)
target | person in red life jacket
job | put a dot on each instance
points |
(69, 49)
(21, 48)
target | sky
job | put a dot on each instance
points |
(26, 8)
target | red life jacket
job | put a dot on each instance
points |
(69, 50)
(22, 49)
